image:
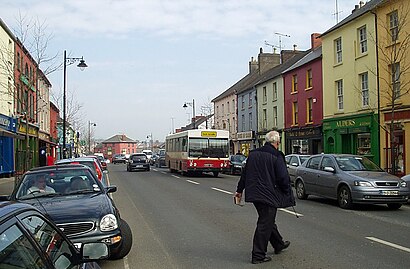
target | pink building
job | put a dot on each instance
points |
(118, 144)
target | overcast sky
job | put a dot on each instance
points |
(147, 58)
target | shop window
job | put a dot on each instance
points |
(363, 144)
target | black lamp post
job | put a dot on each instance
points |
(81, 65)
(89, 135)
(193, 111)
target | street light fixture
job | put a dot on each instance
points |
(82, 65)
(193, 111)
(89, 134)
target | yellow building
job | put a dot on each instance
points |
(350, 103)
(393, 34)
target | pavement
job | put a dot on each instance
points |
(6, 185)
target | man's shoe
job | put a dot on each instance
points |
(266, 259)
(279, 249)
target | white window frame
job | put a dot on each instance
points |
(364, 82)
(339, 93)
(338, 50)
(362, 39)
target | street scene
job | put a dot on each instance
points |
(179, 147)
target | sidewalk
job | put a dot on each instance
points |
(6, 185)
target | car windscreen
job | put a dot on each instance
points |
(139, 157)
(354, 163)
(238, 158)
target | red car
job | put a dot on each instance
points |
(89, 161)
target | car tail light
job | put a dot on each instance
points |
(99, 173)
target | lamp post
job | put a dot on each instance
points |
(89, 135)
(81, 65)
(193, 111)
(151, 142)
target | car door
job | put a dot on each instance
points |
(326, 183)
(309, 174)
(292, 166)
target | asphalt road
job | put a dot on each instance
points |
(191, 222)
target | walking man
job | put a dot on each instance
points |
(266, 181)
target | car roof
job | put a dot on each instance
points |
(11, 208)
(134, 154)
(57, 167)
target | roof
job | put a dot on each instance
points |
(277, 70)
(369, 6)
(242, 84)
(309, 57)
(119, 139)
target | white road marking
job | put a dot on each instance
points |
(291, 212)
(126, 265)
(388, 243)
(227, 192)
(155, 169)
(175, 176)
(193, 182)
(163, 172)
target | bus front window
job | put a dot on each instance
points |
(198, 147)
(218, 148)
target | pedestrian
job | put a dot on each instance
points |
(266, 182)
(40, 185)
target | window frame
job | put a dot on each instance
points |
(339, 94)
(362, 35)
(364, 88)
(338, 50)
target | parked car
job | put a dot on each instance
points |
(78, 203)
(28, 239)
(153, 159)
(349, 179)
(235, 163)
(118, 158)
(138, 161)
(292, 162)
(90, 161)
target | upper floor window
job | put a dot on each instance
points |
(264, 118)
(394, 25)
(223, 110)
(294, 83)
(18, 61)
(250, 99)
(275, 116)
(309, 83)
(364, 81)
(26, 70)
(339, 90)
(250, 121)
(395, 79)
(362, 40)
(309, 107)
(233, 105)
(243, 123)
(217, 111)
(243, 102)
(228, 108)
(264, 95)
(295, 113)
(338, 50)
(275, 91)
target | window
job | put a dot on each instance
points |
(327, 162)
(313, 163)
(250, 121)
(338, 50)
(233, 106)
(243, 123)
(395, 79)
(309, 83)
(217, 111)
(250, 99)
(265, 97)
(295, 113)
(275, 116)
(228, 108)
(364, 81)
(264, 119)
(18, 61)
(309, 105)
(362, 40)
(275, 91)
(339, 88)
(243, 102)
(223, 110)
(394, 25)
(294, 83)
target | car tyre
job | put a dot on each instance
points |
(215, 174)
(394, 206)
(300, 190)
(126, 245)
(148, 169)
(344, 198)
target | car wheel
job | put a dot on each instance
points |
(394, 206)
(215, 174)
(148, 169)
(344, 198)
(300, 190)
(126, 244)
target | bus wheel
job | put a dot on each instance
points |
(215, 174)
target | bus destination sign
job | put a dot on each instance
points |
(208, 134)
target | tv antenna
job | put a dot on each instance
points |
(274, 47)
(337, 12)
(280, 39)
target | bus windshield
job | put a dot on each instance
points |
(204, 147)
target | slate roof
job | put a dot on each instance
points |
(309, 57)
(356, 14)
(119, 139)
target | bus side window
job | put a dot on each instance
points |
(184, 145)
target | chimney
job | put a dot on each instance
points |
(361, 3)
(315, 40)
(253, 65)
(356, 7)
(267, 61)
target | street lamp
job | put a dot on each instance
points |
(89, 135)
(81, 65)
(151, 141)
(193, 111)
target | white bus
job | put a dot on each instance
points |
(197, 151)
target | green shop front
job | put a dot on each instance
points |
(357, 134)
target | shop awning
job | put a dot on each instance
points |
(10, 134)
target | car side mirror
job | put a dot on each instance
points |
(329, 169)
(4, 197)
(94, 251)
(294, 164)
(111, 189)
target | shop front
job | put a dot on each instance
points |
(246, 141)
(7, 135)
(26, 146)
(356, 134)
(307, 140)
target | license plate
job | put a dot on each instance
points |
(139, 166)
(208, 165)
(389, 192)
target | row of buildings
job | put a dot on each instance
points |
(349, 93)
(30, 125)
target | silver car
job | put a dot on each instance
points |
(292, 163)
(349, 179)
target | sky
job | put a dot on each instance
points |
(146, 58)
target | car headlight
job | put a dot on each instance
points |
(238, 166)
(403, 184)
(108, 223)
(362, 183)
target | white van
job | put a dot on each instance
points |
(148, 152)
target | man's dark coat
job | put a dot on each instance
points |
(266, 179)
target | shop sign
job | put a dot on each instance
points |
(303, 133)
(31, 130)
(7, 123)
(347, 123)
(245, 135)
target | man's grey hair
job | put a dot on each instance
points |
(272, 137)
